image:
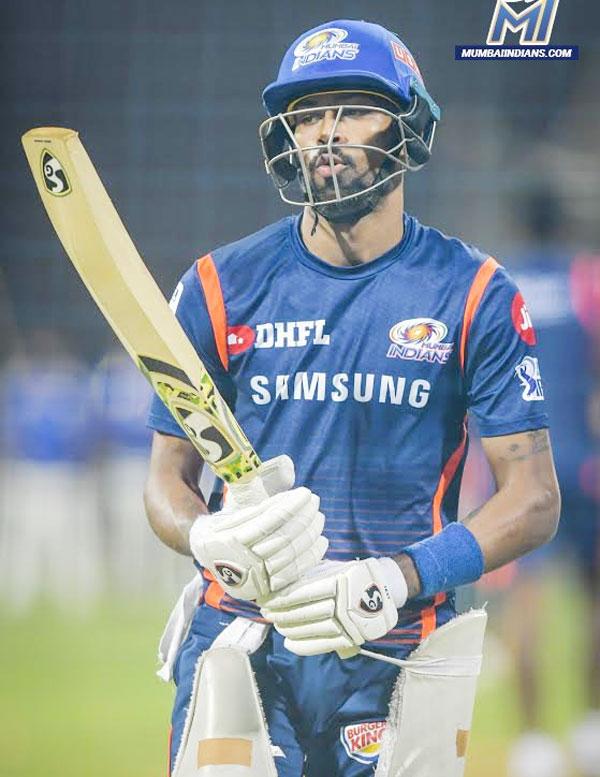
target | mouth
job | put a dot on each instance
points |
(326, 166)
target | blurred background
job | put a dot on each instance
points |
(166, 97)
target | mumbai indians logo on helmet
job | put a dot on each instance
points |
(362, 741)
(420, 339)
(324, 44)
(54, 177)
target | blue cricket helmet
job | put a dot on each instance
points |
(350, 55)
(346, 56)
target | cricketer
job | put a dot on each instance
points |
(353, 342)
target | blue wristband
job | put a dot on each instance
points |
(448, 559)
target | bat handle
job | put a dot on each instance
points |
(272, 477)
(345, 653)
(250, 493)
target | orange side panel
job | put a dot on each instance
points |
(428, 616)
(209, 278)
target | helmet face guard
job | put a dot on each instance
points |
(289, 164)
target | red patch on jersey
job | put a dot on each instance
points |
(522, 320)
(239, 339)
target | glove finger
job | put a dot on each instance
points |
(311, 612)
(297, 527)
(230, 517)
(313, 647)
(274, 534)
(270, 545)
(278, 510)
(312, 555)
(293, 500)
(295, 547)
(303, 592)
(298, 566)
(283, 536)
(319, 630)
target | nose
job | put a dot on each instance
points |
(328, 122)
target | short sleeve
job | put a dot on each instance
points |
(191, 309)
(505, 393)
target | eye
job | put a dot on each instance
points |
(355, 112)
(307, 118)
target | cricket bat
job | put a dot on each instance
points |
(105, 257)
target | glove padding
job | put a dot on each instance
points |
(255, 549)
(337, 606)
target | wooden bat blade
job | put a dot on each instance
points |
(108, 263)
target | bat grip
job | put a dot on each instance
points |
(250, 493)
(345, 653)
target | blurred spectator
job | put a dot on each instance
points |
(138, 563)
(563, 297)
(48, 517)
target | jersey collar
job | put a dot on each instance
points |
(377, 265)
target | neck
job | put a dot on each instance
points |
(348, 245)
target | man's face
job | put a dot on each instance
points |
(355, 168)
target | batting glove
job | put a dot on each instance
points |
(337, 606)
(262, 541)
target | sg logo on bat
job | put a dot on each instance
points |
(54, 176)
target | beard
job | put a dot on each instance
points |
(352, 186)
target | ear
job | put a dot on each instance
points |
(274, 142)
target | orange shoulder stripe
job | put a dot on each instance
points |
(209, 278)
(478, 287)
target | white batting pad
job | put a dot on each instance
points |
(225, 733)
(432, 705)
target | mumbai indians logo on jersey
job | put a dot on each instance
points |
(324, 44)
(528, 372)
(53, 174)
(420, 339)
(362, 741)
(535, 21)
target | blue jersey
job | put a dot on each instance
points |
(364, 375)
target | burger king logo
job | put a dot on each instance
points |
(362, 741)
